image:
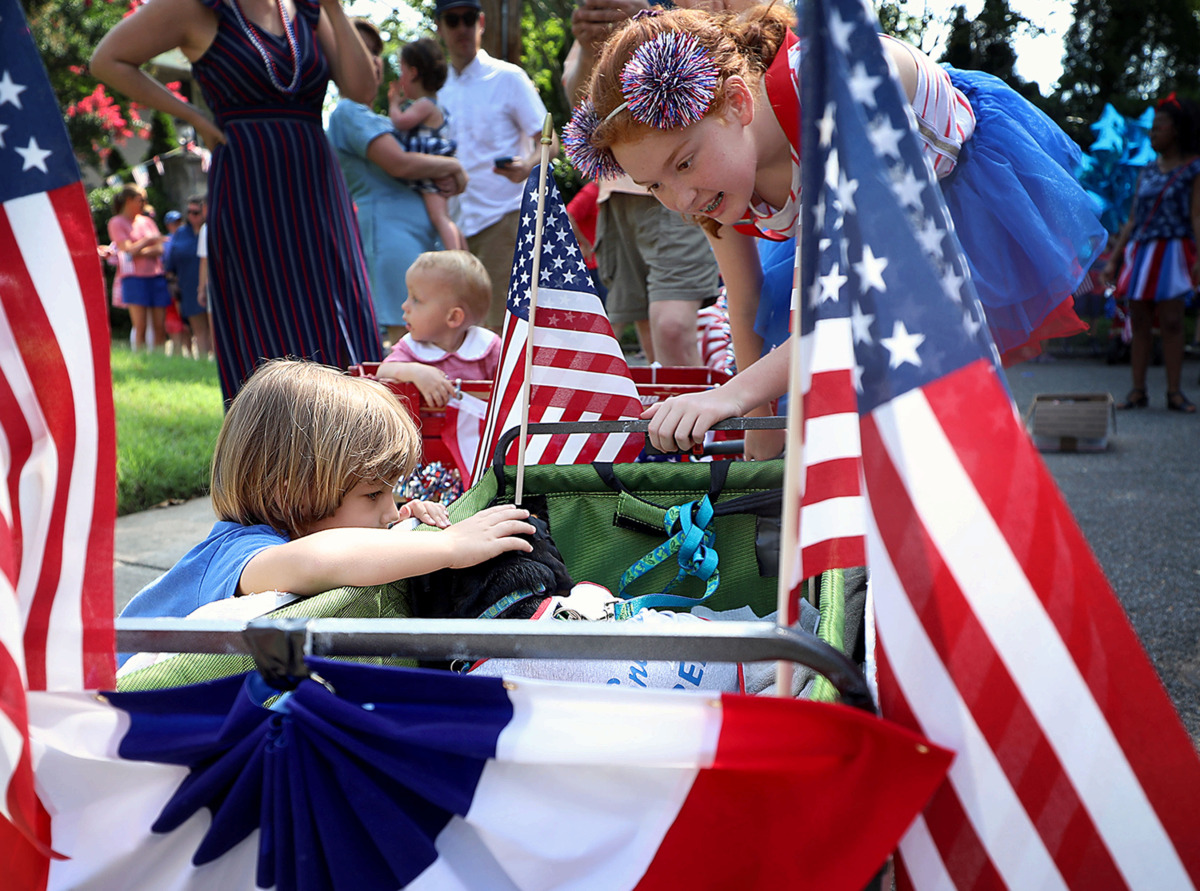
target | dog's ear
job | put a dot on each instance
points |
(547, 553)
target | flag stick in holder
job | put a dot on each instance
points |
(527, 383)
(793, 485)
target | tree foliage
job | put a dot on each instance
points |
(985, 43)
(909, 20)
(66, 32)
(1128, 52)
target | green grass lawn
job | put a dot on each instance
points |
(168, 411)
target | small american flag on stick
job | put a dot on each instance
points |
(579, 371)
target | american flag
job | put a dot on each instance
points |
(579, 371)
(58, 504)
(998, 635)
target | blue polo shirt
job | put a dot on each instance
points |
(179, 257)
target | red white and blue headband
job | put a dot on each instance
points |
(668, 82)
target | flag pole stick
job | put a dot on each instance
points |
(793, 478)
(527, 383)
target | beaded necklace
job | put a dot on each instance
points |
(252, 32)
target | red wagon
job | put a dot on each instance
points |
(653, 384)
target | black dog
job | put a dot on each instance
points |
(510, 586)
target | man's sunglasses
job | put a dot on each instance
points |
(454, 19)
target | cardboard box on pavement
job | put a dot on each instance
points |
(1071, 422)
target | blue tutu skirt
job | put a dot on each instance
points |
(1025, 224)
(772, 322)
(778, 259)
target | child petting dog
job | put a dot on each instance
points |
(302, 481)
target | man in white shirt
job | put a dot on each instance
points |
(496, 117)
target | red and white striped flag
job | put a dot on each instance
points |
(579, 371)
(58, 502)
(465, 417)
(997, 634)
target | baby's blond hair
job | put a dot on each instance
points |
(470, 284)
(298, 437)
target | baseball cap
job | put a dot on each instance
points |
(172, 216)
(446, 5)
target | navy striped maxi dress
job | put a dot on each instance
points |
(286, 265)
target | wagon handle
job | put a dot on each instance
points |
(620, 426)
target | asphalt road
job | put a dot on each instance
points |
(1138, 503)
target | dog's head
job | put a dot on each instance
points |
(497, 587)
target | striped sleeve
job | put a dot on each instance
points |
(944, 118)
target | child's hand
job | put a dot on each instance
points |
(488, 534)
(435, 387)
(431, 513)
(678, 423)
(395, 93)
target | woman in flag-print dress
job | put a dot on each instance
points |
(286, 264)
(1155, 252)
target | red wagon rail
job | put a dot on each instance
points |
(653, 385)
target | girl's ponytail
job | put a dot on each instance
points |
(759, 32)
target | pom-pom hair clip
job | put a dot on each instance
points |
(668, 82)
(592, 162)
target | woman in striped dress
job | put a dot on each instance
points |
(1155, 252)
(285, 259)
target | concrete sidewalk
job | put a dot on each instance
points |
(151, 542)
(1138, 503)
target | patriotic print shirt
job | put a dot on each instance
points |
(1162, 205)
(943, 118)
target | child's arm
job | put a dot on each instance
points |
(333, 558)
(202, 283)
(1116, 256)
(414, 116)
(435, 387)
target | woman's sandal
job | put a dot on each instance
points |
(1176, 401)
(1137, 398)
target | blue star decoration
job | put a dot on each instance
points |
(34, 153)
(347, 790)
(561, 266)
(879, 247)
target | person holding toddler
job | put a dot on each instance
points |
(449, 293)
(421, 126)
(302, 480)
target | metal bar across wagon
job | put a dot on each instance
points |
(451, 639)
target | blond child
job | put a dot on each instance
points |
(413, 110)
(449, 293)
(302, 481)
